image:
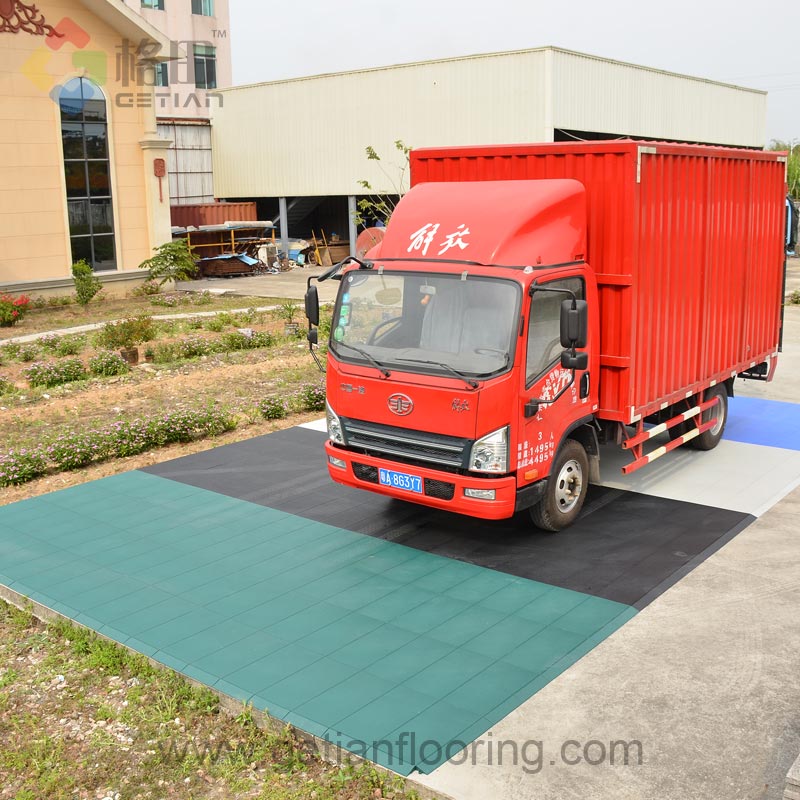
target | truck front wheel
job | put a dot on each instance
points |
(566, 489)
(709, 439)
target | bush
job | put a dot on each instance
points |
(76, 450)
(127, 332)
(215, 324)
(20, 466)
(194, 324)
(6, 387)
(49, 342)
(108, 363)
(70, 345)
(273, 408)
(169, 300)
(10, 350)
(312, 397)
(54, 373)
(204, 298)
(246, 340)
(164, 354)
(172, 262)
(193, 346)
(86, 282)
(28, 352)
(147, 289)
(13, 309)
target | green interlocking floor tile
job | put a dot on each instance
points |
(347, 697)
(346, 632)
(551, 605)
(370, 646)
(344, 635)
(386, 713)
(452, 670)
(410, 659)
(305, 684)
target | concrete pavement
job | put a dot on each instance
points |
(705, 679)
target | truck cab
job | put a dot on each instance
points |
(453, 377)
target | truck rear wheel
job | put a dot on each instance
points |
(710, 438)
(566, 489)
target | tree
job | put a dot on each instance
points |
(381, 206)
(792, 149)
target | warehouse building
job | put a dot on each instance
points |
(297, 147)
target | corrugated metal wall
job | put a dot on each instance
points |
(307, 137)
(594, 94)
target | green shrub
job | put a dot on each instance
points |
(193, 346)
(108, 363)
(172, 262)
(6, 387)
(164, 354)
(28, 352)
(202, 299)
(76, 450)
(54, 373)
(273, 408)
(70, 345)
(127, 332)
(215, 324)
(311, 396)
(49, 342)
(86, 282)
(147, 289)
(11, 350)
(20, 466)
(241, 340)
(195, 323)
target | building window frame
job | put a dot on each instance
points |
(203, 8)
(205, 66)
(161, 74)
(155, 5)
(88, 174)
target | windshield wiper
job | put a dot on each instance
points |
(375, 363)
(452, 370)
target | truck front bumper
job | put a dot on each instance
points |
(439, 489)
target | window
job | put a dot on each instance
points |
(205, 66)
(84, 136)
(157, 4)
(203, 7)
(162, 74)
(544, 327)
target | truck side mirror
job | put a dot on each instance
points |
(313, 336)
(574, 323)
(574, 361)
(312, 305)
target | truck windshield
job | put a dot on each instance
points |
(427, 322)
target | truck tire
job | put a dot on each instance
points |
(566, 489)
(710, 438)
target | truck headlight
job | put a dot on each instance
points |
(334, 426)
(490, 454)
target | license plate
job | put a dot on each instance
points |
(400, 480)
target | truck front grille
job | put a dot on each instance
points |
(400, 444)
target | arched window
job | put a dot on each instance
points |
(84, 133)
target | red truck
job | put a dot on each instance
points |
(531, 302)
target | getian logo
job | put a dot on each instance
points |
(401, 404)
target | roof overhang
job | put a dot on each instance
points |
(134, 27)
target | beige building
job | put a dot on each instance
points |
(80, 148)
(186, 87)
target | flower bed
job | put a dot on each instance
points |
(119, 439)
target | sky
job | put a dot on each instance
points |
(753, 44)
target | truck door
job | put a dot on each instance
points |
(544, 378)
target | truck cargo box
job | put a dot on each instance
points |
(687, 245)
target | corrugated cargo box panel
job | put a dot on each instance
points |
(687, 246)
